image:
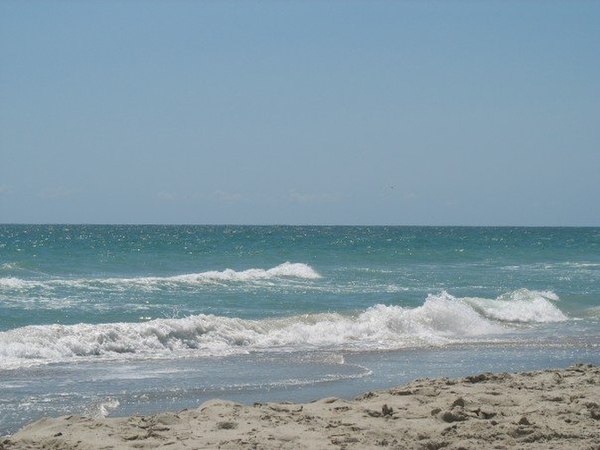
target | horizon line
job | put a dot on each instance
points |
(175, 224)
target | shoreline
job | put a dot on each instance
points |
(553, 408)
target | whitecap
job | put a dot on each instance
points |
(442, 319)
(522, 306)
(286, 270)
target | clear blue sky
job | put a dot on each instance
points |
(332, 112)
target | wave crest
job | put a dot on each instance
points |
(285, 270)
(442, 319)
(522, 306)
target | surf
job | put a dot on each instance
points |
(442, 319)
(286, 270)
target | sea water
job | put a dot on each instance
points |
(116, 320)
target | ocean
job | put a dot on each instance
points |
(119, 320)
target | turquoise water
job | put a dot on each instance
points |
(128, 319)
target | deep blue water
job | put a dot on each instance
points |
(122, 319)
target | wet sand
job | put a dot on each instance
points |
(550, 409)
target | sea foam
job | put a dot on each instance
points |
(523, 306)
(442, 319)
(285, 270)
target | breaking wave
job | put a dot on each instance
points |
(285, 270)
(442, 319)
(523, 306)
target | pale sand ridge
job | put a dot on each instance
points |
(550, 409)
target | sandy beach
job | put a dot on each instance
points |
(550, 409)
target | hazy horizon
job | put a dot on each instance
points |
(339, 225)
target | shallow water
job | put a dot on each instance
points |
(135, 319)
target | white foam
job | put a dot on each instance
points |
(549, 295)
(16, 283)
(522, 305)
(442, 319)
(107, 406)
(103, 408)
(583, 265)
(285, 270)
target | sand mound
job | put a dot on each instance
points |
(557, 409)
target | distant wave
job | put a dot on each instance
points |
(285, 270)
(442, 319)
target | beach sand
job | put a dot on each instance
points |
(550, 409)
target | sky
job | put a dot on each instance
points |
(300, 112)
